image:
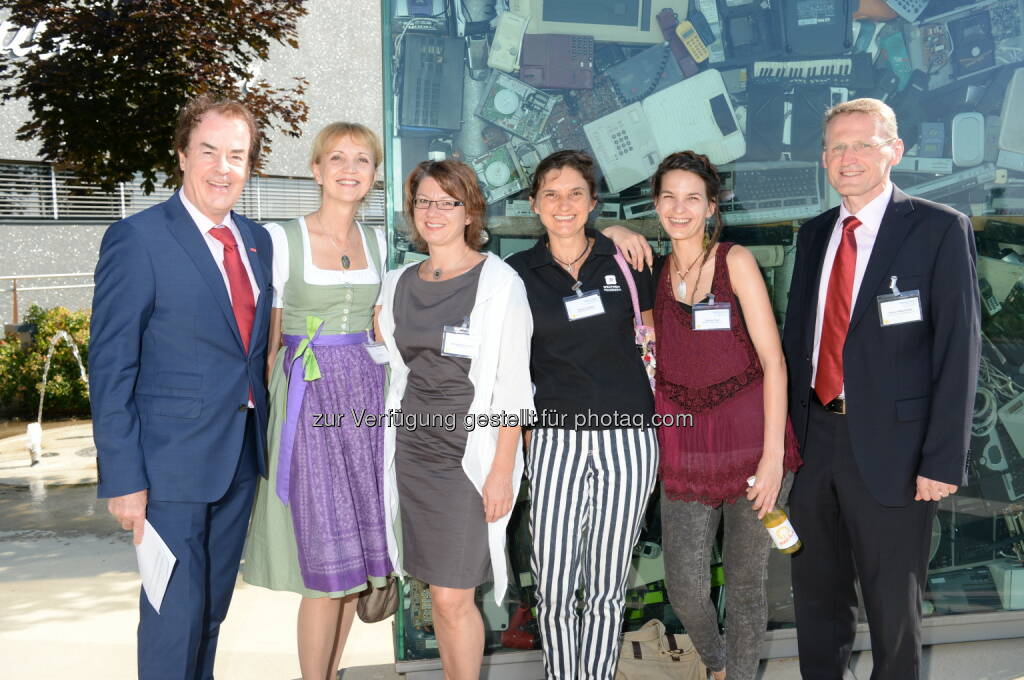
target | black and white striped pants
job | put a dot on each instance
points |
(589, 490)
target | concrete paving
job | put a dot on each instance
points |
(69, 585)
(69, 593)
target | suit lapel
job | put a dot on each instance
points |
(891, 233)
(180, 224)
(818, 246)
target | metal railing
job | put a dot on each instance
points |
(39, 191)
(372, 212)
(13, 290)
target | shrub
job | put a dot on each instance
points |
(21, 369)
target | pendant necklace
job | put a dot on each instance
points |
(569, 265)
(438, 271)
(681, 288)
(346, 261)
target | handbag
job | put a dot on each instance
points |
(652, 654)
(377, 604)
(643, 334)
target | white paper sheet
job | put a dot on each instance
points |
(156, 561)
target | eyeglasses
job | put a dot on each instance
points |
(858, 148)
(443, 204)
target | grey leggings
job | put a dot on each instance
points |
(688, 531)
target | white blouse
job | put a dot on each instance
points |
(313, 275)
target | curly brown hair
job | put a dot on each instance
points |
(458, 181)
(192, 113)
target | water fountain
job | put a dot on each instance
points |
(34, 435)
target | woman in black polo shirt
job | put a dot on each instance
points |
(593, 458)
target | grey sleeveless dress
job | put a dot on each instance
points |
(444, 532)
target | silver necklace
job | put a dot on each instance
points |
(569, 265)
(346, 261)
(436, 272)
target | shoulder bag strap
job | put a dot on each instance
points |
(628, 275)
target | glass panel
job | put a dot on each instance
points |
(745, 83)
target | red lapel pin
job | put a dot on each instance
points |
(252, 250)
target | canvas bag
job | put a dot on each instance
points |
(652, 654)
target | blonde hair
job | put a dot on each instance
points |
(356, 131)
(874, 107)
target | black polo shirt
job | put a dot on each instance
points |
(588, 373)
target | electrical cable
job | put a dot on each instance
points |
(984, 419)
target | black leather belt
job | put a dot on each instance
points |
(837, 406)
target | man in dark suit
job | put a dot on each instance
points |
(179, 335)
(882, 339)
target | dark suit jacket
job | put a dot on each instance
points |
(910, 387)
(168, 374)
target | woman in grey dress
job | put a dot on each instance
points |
(453, 459)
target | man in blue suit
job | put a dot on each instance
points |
(179, 404)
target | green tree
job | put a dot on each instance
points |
(109, 76)
(21, 367)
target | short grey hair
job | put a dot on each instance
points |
(875, 107)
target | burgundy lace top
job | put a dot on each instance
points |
(716, 378)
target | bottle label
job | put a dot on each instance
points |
(783, 535)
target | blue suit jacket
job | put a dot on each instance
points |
(909, 388)
(168, 375)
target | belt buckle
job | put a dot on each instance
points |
(837, 406)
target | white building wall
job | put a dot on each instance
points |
(340, 55)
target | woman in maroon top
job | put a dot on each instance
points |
(720, 361)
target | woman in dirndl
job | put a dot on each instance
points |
(318, 522)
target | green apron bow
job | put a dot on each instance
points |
(310, 367)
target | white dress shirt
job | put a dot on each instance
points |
(205, 224)
(870, 217)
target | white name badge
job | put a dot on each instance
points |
(901, 308)
(457, 341)
(715, 316)
(583, 305)
(378, 351)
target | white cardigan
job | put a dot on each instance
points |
(500, 375)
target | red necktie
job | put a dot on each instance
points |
(828, 382)
(242, 302)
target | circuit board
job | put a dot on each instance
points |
(499, 173)
(515, 106)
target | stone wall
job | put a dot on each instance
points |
(55, 248)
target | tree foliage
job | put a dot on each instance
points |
(109, 76)
(21, 367)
